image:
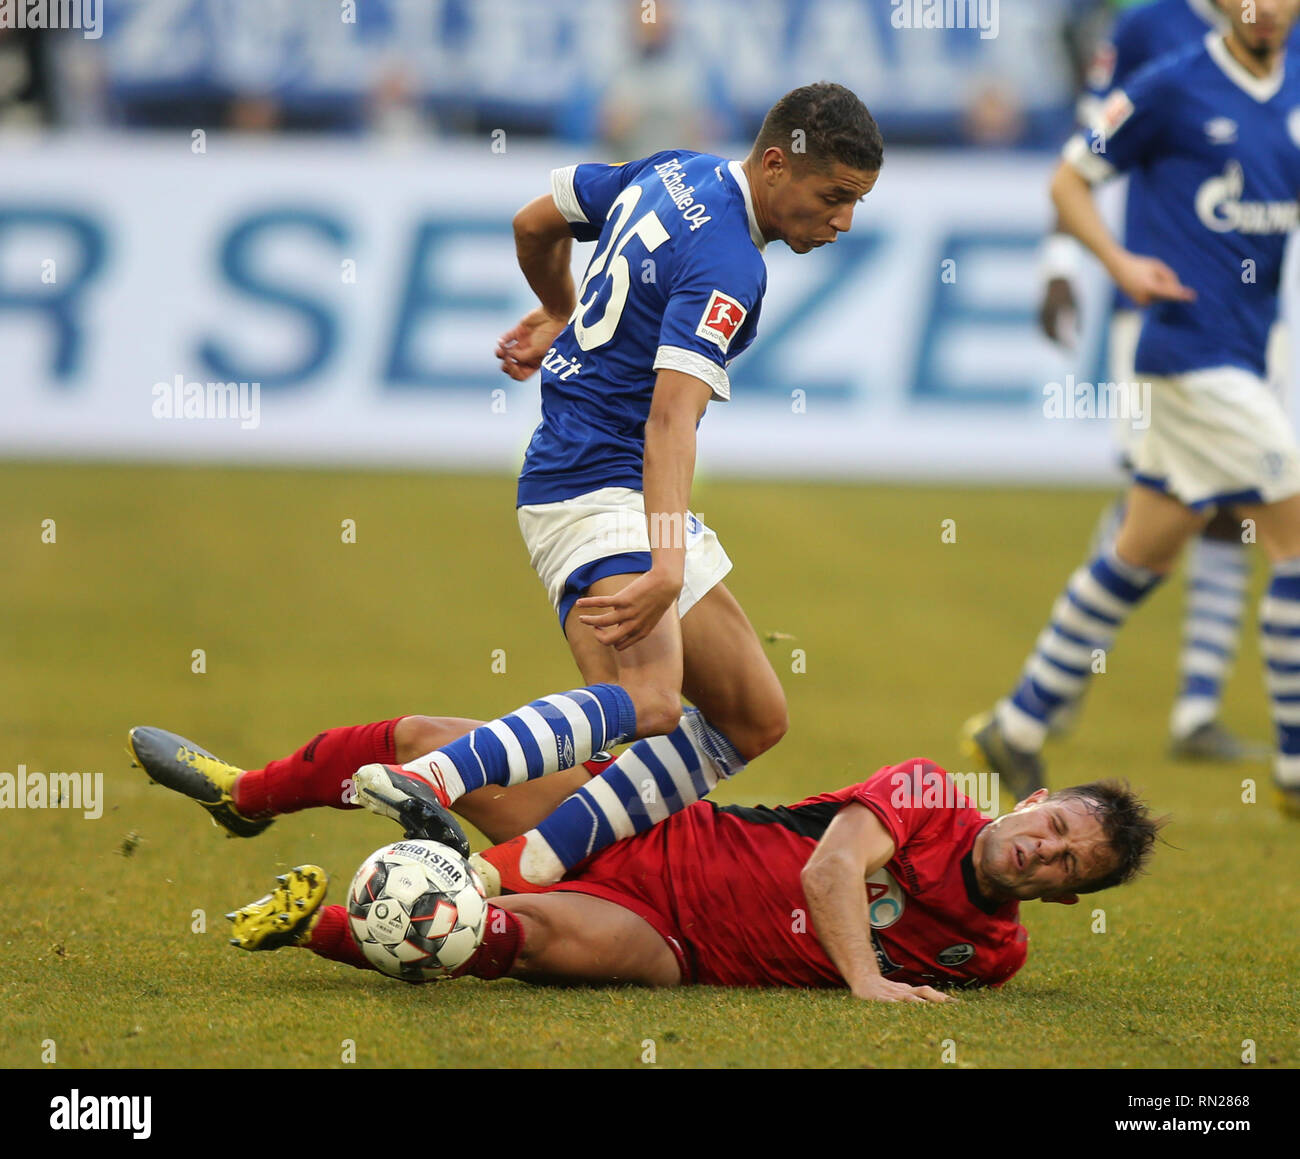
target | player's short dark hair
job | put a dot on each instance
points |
(1127, 824)
(829, 124)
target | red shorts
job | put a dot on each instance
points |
(721, 892)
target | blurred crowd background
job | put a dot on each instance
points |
(584, 71)
(315, 196)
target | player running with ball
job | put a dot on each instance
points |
(1211, 137)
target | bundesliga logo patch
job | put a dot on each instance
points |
(722, 318)
(1117, 109)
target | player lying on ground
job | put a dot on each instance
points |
(723, 896)
(1219, 206)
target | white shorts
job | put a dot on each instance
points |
(1125, 327)
(1217, 436)
(577, 541)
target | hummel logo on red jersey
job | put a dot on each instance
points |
(722, 318)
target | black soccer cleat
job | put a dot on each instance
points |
(392, 792)
(1019, 773)
(1212, 742)
(194, 772)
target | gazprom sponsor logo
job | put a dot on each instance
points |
(1220, 208)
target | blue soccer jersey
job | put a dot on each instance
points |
(676, 281)
(1213, 155)
(1140, 36)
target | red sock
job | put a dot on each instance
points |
(503, 938)
(315, 774)
(332, 938)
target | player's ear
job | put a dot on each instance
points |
(1033, 798)
(1064, 899)
(774, 162)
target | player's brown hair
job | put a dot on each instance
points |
(1127, 824)
(821, 124)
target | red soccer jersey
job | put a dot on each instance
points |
(721, 884)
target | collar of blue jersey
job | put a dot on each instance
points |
(738, 175)
(1262, 88)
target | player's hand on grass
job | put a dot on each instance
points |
(522, 349)
(881, 990)
(631, 613)
(1058, 313)
(1148, 280)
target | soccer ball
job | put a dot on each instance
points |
(416, 909)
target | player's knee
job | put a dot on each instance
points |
(768, 725)
(413, 736)
(538, 934)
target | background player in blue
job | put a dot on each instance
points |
(629, 361)
(1211, 138)
(1218, 571)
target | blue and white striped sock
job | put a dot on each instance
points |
(1109, 522)
(1218, 574)
(652, 780)
(1279, 621)
(554, 733)
(1085, 618)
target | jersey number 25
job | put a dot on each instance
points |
(611, 262)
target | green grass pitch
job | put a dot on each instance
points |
(120, 960)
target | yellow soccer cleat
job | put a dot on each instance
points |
(286, 915)
(1287, 798)
(181, 765)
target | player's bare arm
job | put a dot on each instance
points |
(854, 846)
(630, 614)
(1144, 279)
(544, 247)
